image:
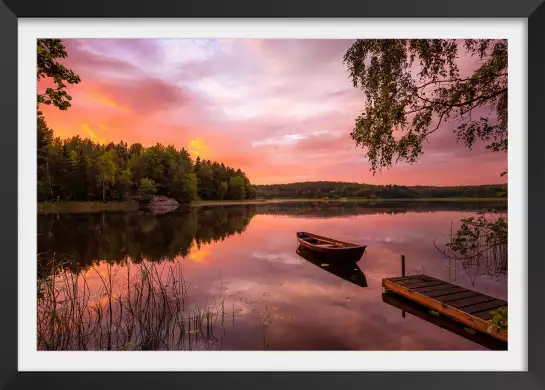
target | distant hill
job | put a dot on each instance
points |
(335, 189)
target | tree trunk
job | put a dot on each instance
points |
(48, 177)
(103, 192)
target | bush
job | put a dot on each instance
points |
(146, 189)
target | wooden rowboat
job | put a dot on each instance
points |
(333, 249)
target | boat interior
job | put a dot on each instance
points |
(321, 243)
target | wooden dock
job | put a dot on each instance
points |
(444, 322)
(467, 307)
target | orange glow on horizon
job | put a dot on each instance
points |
(87, 128)
(197, 147)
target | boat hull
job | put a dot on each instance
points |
(348, 252)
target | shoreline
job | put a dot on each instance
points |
(74, 207)
(201, 203)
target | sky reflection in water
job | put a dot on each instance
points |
(245, 257)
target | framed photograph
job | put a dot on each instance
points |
(280, 193)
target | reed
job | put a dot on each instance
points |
(480, 245)
(145, 308)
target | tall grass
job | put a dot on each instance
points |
(480, 245)
(146, 308)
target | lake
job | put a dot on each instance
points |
(230, 278)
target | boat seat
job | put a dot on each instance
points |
(326, 246)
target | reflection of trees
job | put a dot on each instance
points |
(217, 223)
(479, 245)
(346, 209)
(77, 241)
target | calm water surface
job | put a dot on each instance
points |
(229, 277)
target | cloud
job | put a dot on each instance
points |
(88, 130)
(104, 100)
(90, 133)
(288, 139)
(281, 110)
(279, 257)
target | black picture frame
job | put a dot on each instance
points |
(10, 10)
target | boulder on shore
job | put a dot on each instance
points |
(162, 205)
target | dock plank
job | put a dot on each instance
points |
(490, 305)
(403, 278)
(485, 315)
(456, 296)
(428, 283)
(414, 279)
(433, 289)
(444, 291)
(468, 307)
(461, 303)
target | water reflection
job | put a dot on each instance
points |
(347, 271)
(348, 209)
(77, 241)
(228, 278)
(443, 322)
(141, 306)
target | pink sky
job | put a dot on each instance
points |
(280, 110)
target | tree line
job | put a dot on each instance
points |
(334, 190)
(83, 170)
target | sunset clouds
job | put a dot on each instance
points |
(281, 110)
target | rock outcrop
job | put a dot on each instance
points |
(162, 205)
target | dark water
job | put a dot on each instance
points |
(231, 278)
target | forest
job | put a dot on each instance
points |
(334, 190)
(79, 169)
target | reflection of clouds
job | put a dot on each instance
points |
(279, 257)
(253, 279)
(323, 318)
(399, 238)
